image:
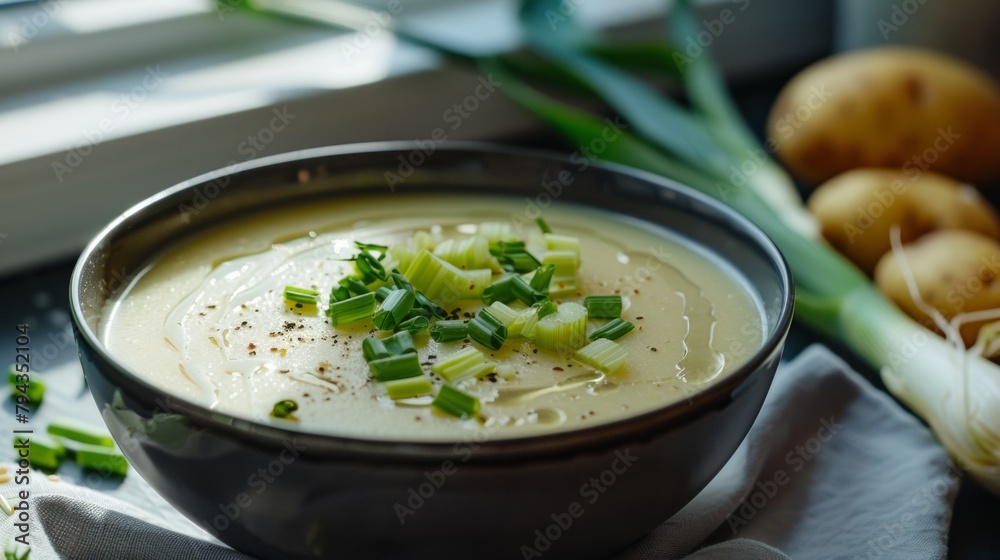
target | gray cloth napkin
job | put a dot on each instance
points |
(832, 468)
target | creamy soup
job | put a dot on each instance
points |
(207, 321)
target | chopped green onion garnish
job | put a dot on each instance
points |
(603, 355)
(465, 253)
(603, 307)
(542, 277)
(402, 366)
(352, 309)
(282, 409)
(394, 309)
(43, 452)
(353, 285)
(543, 226)
(414, 325)
(524, 292)
(33, 390)
(301, 295)
(546, 308)
(614, 330)
(431, 308)
(502, 290)
(564, 330)
(514, 257)
(466, 363)
(104, 460)
(445, 331)
(455, 402)
(565, 261)
(339, 293)
(80, 432)
(371, 247)
(382, 293)
(411, 387)
(375, 348)
(487, 330)
(400, 281)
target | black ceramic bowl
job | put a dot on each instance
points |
(275, 493)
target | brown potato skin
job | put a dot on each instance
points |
(955, 271)
(889, 107)
(856, 210)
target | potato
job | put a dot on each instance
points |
(889, 107)
(856, 210)
(955, 271)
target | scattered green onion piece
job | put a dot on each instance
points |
(79, 432)
(487, 330)
(352, 309)
(414, 325)
(354, 285)
(514, 257)
(382, 293)
(282, 409)
(613, 330)
(542, 277)
(564, 330)
(546, 308)
(375, 348)
(466, 363)
(43, 453)
(104, 460)
(603, 307)
(502, 290)
(524, 292)
(465, 253)
(565, 261)
(402, 366)
(33, 390)
(371, 247)
(339, 293)
(446, 331)
(455, 402)
(400, 281)
(543, 226)
(603, 355)
(433, 309)
(407, 388)
(495, 231)
(301, 295)
(393, 310)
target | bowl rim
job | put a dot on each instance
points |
(586, 439)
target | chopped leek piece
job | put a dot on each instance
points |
(487, 330)
(465, 253)
(301, 295)
(394, 309)
(80, 432)
(502, 290)
(401, 366)
(282, 409)
(416, 324)
(426, 240)
(496, 231)
(352, 309)
(443, 281)
(43, 453)
(503, 313)
(603, 355)
(455, 402)
(543, 226)
(33, 390)
(524, 292)
(445, 331)
(563, 286)
(603, 307)
(555, 242)
(407, 388)
(546, 308)
(401, 255)
(466, 363)
(542, 277)
(104, 460)
(565, 261)
(564, 330)
(613, 330)
(377, 348)
(524, 324)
